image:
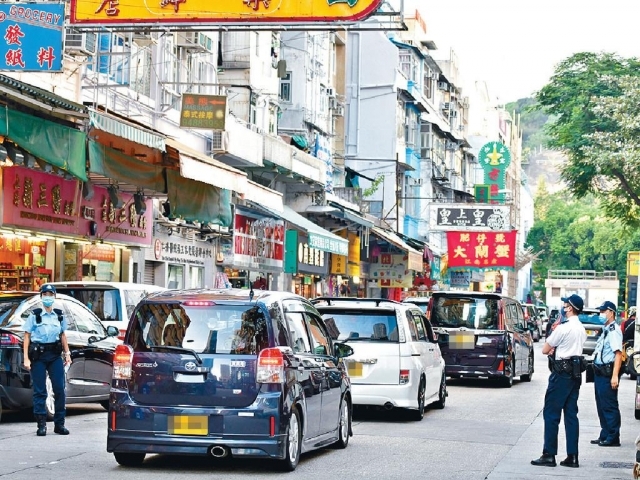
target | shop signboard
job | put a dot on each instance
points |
(31, 36)
(181, 250)
(459, 278)
(311, 260)
(48, 203)
(258, 241)
(175, 12)
(481, 250)
(494, 157)
(203, 111)
(392, 271)
(354, 255)
(462, 217)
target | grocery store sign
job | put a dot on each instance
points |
(168, 12)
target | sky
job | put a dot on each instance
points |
(515, 45)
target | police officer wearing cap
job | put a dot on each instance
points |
(46, 351)
(564, 347)
(607, 361)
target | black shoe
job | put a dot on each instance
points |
(570, 461)
(544, 461)
(42, 425)
(609, 443)
(60, 430)
(595, 442)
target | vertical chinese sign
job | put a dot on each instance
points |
(32, 36)
(482, 250)
(495, 159)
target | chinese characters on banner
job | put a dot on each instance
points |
(31, 36)
(392, 271)
(494, 157)
(258, 241)
(482, 249)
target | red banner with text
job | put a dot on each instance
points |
(482, 249)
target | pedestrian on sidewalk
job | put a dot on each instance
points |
(44, 343)
(564, 347)
(607, 362)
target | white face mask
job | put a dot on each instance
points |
(48, 301)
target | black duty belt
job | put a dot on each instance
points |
(603, 369)
(48, 347)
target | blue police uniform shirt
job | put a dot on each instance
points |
(609, 342)
(47, 331)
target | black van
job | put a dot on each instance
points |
(482, 335)
(224, 372)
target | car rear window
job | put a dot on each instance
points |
(362, 325)
(214, 329)
(469, 312)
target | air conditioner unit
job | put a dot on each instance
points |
(446, 106)
(217, 143)
(443, 86)
(80, 43)
(191, 40)
(338, 111)
(331, 93)
(143, 39)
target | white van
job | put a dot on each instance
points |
(112, 302)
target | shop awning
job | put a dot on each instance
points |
(115, 165)
(121, 128)
(318, 237)
(195, 201)
(338, 211)
(200, 167)
(262, 195)
(415, 257)
(56, 144)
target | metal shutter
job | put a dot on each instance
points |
(149, 273)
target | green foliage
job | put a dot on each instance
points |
(373, 188)
(532, 122)
(576, 97)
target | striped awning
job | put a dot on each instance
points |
(128, 131)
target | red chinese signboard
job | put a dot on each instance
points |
(482, 249)
(49, 203)
(258, 241)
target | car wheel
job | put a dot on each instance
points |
(50, 402)
(105, 404)
(527, 377)
(294, 442)
(344, 426)
(129, 459)
(536, 336)
(507, 381)
(418, 414)
(442, 394)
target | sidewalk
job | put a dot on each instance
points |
(595, 462)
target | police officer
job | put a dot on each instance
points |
(607, 360)
(564, 346)
(44, 342)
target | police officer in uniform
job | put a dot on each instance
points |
(564, 347)
(46, 351)
(607, 360)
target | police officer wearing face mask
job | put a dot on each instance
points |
(607, 360)
(564, 347)
(46, 351)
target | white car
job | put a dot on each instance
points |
(396, 361)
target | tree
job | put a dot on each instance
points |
(580, 97)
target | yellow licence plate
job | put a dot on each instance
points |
(188, 425)
(462, 341)
(354, 369)
(591, 333)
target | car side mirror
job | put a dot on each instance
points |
(92, 339)
(112, 331)
(342, 350)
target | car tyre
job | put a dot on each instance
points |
(294, 442)
(127, 459)
(527, 377)
(418, 414)
(637, 413)
(344, 425)
(507, 382)
(442, 394)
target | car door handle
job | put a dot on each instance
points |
(415, 354)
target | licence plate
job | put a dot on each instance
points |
(354, 369)
(462, 341)
(592, 333)
(188, 425)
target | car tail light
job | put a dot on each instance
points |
(122, 362)
(9, 340)
(270, 366)
(404, 377)
(272, 426)
(199, 303)
(501, 365)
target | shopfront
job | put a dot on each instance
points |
(312, 266)
(66, 235)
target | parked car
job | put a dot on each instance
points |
(590, 318)
(531, 316)
(420, 302)
(112, 302)
(91, 345)
(228, 372)
(544, 317)
(482, 335)
(396, 360)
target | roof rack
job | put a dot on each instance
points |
(377, 301)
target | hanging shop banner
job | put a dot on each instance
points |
(203, 111)
(311, 260)
(31, 36)
(48, 203)
(493, 217)
(169, 12)
(258, 241)
(392, 271)
(494, 157)
(485, 250)
(458, 278)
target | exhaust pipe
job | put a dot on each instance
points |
(388, 406)
(219, 451)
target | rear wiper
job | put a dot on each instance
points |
(177, 349)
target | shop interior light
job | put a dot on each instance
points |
(30, 161)
(140, 203)
(116, 200)
(44, 166)
(16, 156)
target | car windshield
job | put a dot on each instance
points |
(468, 312)
(356, 326)
(8, 307)
(215, 329)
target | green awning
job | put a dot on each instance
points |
(125, 130)
(299, 141)
(195, 201)
(123, 168)
(56, 144)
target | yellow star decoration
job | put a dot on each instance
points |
(494, 157)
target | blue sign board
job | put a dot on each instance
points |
(31, 36)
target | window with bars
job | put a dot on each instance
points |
(285, 88)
